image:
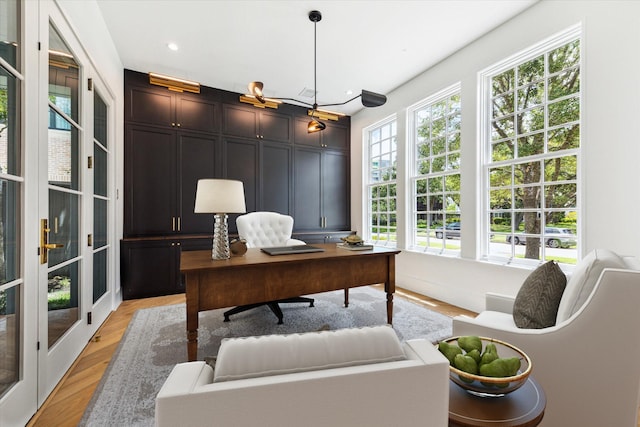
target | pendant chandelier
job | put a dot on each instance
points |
(369, 99)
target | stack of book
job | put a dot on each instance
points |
(362, 247)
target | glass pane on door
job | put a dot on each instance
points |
(9, 337)
(100, 200)
(63, 152)
(10, 32)
(10, 201)
(99, 274)
(9, 123)
(63, 278)
(62, 300)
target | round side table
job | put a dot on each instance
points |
(521, 408)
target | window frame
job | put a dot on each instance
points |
(485, 76)
(369, 184)
(414, 175)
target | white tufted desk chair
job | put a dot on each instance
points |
(263, 230)
(266, 229)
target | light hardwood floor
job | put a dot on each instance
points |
(67, 402)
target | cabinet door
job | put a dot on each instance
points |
(335, 190)
(198, 156)
(274, 126)
(302, 137)
(307, 187)
(149, 268)
(335, 136)
(196, 113)
(149, 106)
(239, 121)
(150, 173)
(275, 178)
(241, 163)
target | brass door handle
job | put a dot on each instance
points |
(45, 246)
(53, 245)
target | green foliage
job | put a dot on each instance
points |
(4, 114)
(518, 125)
(58, 300)
(570, 219)
(3, 105)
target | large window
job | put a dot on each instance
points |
(381, 186)
(532, 142)
(435, 174)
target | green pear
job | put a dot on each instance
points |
(513, 364)
(469, 343)
(488, 356)
(502, 367)
(449, 350)
(467, 364)
(475, 354)
(491, 348)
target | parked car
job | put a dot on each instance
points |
(451, 230)
(554, 237)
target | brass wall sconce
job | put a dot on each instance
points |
(173, 83)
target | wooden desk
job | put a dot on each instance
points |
(521, 408)
(258, 277)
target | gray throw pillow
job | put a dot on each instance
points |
(536, 305)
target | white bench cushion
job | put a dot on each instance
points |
(251, 357)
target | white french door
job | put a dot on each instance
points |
(56, 203)
(73, 200)
(18, 277)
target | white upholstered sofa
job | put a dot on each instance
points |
(349, 377)
(587, 363)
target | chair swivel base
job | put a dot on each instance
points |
(273, 305)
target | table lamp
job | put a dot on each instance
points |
(220, 197)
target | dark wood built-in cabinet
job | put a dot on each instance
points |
(256, 123)
(161, 107)
(162, 168)
(173, 139)
(319, 191)
(151, 267)
(333, 137)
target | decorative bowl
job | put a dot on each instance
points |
(480, 385)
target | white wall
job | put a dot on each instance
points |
(610, 142)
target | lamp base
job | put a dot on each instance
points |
(220, 238)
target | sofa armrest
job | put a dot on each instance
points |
(185, 378)
(499, 302)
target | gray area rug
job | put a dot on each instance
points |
(155, 341)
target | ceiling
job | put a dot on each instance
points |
(374, 45)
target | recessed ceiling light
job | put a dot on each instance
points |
(172, 46)
(349, 92)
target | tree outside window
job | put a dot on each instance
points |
(533, 160)
(436, 172)
(381, 188)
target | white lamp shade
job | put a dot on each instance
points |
(220, 196)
